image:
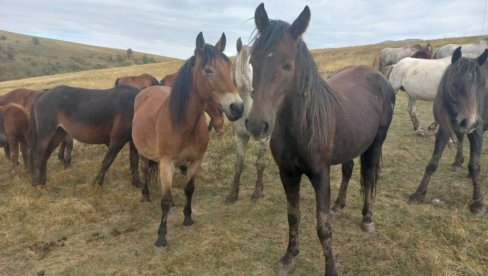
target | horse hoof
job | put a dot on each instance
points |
(455, 168)
(160, 250)
(257, 195)
(188, 221)
(367, 227)
(145, 199)
(231, 198)
(283, 269)
(335, 214)
(415, 199)
(477, 208)
(419, 132)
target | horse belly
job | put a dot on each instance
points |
(88, 134)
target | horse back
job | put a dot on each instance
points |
(21, 96)
(364, 105)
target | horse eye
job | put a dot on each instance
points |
(208, 71)
(287, 66)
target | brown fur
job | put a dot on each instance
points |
(26, 98)
(169, 123)
(142, 81)
(14, 132)
(211, 107)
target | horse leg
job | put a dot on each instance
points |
(459, 159)
(475, 144)
(411, 111)
(166, 171)
(189, 188)
(146, 178)
(68, 141)
(62, 148)
(260, 163)
(370, 162)
(241, 142)
(441, 139)
(341, 198)
(433, 126)
(291, 185)
(24, 151)
(6, 149)
(321, 185)
(14, 154)
(134, 165)
(47, 151)
(112, 151)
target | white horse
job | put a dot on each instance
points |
(242, 73)
(471, 50)
(419, 78)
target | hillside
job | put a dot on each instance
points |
(23, 56)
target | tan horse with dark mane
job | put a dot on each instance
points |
(211, 107)
(14, 128)
(142, 81)
(169, 125)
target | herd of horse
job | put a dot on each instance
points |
(272, 92)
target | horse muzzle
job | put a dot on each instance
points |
(467, 125)
(259, 129)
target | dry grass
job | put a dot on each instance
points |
(70, 227)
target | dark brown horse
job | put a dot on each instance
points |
(88, 115)
(315, 123)
(169, 124)
(211, 107)
(14, 127)
(460, 107)
(26, 98)
(142, 81)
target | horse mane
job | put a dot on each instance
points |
(154, 81)
(446, 99)
(240, 62)
(311, 103)
(180, 91)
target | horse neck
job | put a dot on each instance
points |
(194, 107)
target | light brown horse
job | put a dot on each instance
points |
(315, 123)
(211, 107)
(142, 81)
(26, 98)
(14, 128)
(169, 124)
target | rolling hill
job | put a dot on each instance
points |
(23, 56)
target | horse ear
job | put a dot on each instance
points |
(261, 17)
(239, 45)
(300, 24)
(456, 55)
(200, 45)
(221, 43)
(481, 59)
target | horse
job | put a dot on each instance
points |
(91, 116)
(469, 50)
(142, 81)
(314, 123)
(14, 126)
(390, 56)
(26, 98)
(460, 107)
(242, 74)
(211, 107)
(419, 78)
(169, 124)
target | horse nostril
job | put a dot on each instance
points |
(463, 123)
(266, 127)
(236, 109)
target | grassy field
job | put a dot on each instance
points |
(25, 56)
(71, 227)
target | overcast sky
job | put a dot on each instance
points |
(169, 27)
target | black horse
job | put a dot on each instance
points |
(460, 108)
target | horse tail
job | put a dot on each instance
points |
(434, 53)
(116, 81)
(32, 139)
(376, 62)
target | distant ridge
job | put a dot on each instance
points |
(24, 56)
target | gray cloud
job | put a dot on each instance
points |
(169, 27)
